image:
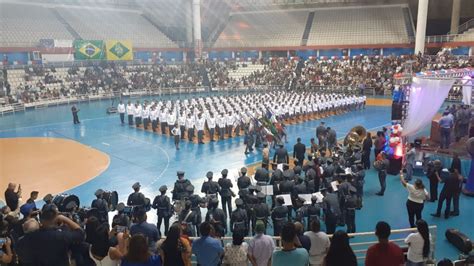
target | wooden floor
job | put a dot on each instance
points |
(49, 165)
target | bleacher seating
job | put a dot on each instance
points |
(244, 70)
(264, 28)
(367, 25)
(25, 25)
(103, 24)
(466, 36)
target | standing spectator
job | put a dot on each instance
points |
(379, 143)
(451, 185)
(176, 250)
(382, 166)
(385, 252)
(150, 231)
(75, 117)
(433, 172)
(48, 245)
(6, 255)
(12, 198)
(446, 124)
(418, 245)
(261, 246)
(417, 195)
(366, 148)
(139, 254)
(332, 138)
(456, 165)
(321, 132)
(290, 254)
(340, 252)
(304, 240)
(208, 250)
(410, 161)
(101, 252)
(235, 254)
(319, 244)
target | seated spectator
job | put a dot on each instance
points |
(340, 252)
(175, 249)
(319, 244)
(49, 245)
(139, 254)
(290, 254)
(235, 254)
(101, 251)
(261, 247)
(208, 250)
(150, 231)
(385, 252)
(418, 245)
(304, 240)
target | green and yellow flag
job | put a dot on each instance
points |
(88, 49)
(119, 50)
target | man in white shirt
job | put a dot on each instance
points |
(190, 127)
(138, 114)
(171, 119)
(319, 244)
(200, 128)
(229, 123)
(145, 116)
(121, 111)
(221, 124)
(182, 123)
(130, 112)
(211, 124)
(153, 117)
(163, 120)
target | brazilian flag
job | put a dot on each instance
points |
(119, 50)
(89, 49)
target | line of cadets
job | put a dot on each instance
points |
(225, 115)
(314, 176)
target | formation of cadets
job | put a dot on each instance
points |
(228, 116)
(334, 179)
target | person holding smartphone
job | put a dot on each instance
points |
(12, 197)
(6, 254)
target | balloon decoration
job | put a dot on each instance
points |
(393, 145)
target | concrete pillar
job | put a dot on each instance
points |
(421, 26)
(455, 16)
(188, 4)
(197, 28)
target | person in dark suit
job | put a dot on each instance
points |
(451, 182)
(281, 155)
(75, 118)
(299, 151)
(366, 148)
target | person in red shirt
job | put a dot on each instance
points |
(384, 253)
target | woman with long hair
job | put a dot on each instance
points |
(417, 195)
(175, 250)
(235, 254)
(138, 253)
(101, 252)
(419, 246)
(340, 252)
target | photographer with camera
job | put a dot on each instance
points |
(51, 244)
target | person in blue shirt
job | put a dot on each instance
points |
(290, 254)
(208, 250)
(446, 123)
(150, 231)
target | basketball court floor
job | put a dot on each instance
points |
(102, 153)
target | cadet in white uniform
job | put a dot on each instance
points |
(121, 111)
(130, 112)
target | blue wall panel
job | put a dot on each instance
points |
(460, 51)
(248, 54)
(169, 55)
(331, 52)
(398, 51)
(304, 54)
(220, 55)
(17, 56)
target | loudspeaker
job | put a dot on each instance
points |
(397, 111)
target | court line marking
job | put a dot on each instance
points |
(163, 150)
(52, 124)
(105, 143)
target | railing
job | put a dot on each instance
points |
(466, 26)
(362, 241)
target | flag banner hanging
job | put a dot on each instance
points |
(89, 49)
(119, 50)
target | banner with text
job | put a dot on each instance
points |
(119, 50)
(89, 49)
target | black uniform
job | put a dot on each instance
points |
(281, 156)
(243, 182)
(279, 218)
(332, 212)
(179, 191)
(75, 118)
(238, 221)
(120, 219)
(350, 206)
(250, 200)
(383, 175)
(136, 199)
(262, 176)
(210, 188)
(102, 208)
(226, 195)
(313, 213)
(218, 219)
(189, 220)
(261, 212)
(164, 210)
